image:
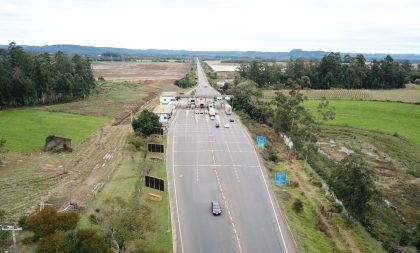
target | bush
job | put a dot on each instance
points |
(336, 207)
(49, 138)
(297, 206)
(145, 123)
(48, 222)
(50, 244)
(23, 221)
(137, 143)
(272, 153)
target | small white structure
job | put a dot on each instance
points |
(168, 98)
(164, 112)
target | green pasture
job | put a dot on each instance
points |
(25, 130)
(388, 117)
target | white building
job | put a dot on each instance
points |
(168, 98)
(164, 112)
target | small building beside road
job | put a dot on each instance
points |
(168, 98)
(164, 112)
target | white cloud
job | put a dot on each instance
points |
(265, 25)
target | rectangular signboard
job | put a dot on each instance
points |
(155, 183)
(261, 141)
(158, 131)
(281, 178)
(157, 148)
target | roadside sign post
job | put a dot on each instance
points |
(261, 141)
(281, 179)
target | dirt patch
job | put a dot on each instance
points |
(139, 71)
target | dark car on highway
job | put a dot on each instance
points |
(215, 208)
(231, 120)
(217, 125)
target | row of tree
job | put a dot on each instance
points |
(331, 71)
(190, 78)
(30, 78)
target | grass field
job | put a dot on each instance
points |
(126, 182)
(391, 118)
(411, 94)
(25, 130)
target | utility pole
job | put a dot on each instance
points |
(13, 229)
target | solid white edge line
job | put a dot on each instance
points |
(176, 197)
(268, 192)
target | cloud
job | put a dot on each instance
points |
(265, 25)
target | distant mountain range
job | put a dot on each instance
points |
(96, 52)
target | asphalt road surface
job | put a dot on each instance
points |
(206, 163)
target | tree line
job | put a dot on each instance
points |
(31, 78)
(332, 71)
(190, 79)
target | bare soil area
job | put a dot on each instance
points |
(139, 71)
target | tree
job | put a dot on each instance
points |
(85, 241)
(29, 78)
(353, 184)
(326, 111)
(145, 123)
(124, 221)
(51, 243)
(49, 221)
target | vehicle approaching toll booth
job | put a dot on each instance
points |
(212, 112)
(228, 109)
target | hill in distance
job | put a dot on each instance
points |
(279, 56)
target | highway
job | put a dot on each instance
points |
(206, 163)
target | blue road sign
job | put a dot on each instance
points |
(281, 178)
(261, 141)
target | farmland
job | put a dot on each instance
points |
(140, 71)
(57, 178)
(392, 118)
(25, 130)
(411, 94)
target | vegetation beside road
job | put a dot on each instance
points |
(387, 218)
(125, 188)
(57, 178)
(319, 225)
(190, 79)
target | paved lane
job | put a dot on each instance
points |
(207, 163)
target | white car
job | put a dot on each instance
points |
(227, 126)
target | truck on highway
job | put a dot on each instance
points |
(212, 113)
(228, 109)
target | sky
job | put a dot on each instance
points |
(362, 26)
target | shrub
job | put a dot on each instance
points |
(48, 222)
(49, 138)
(297, 206)
(272, 153)
(145, 123)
